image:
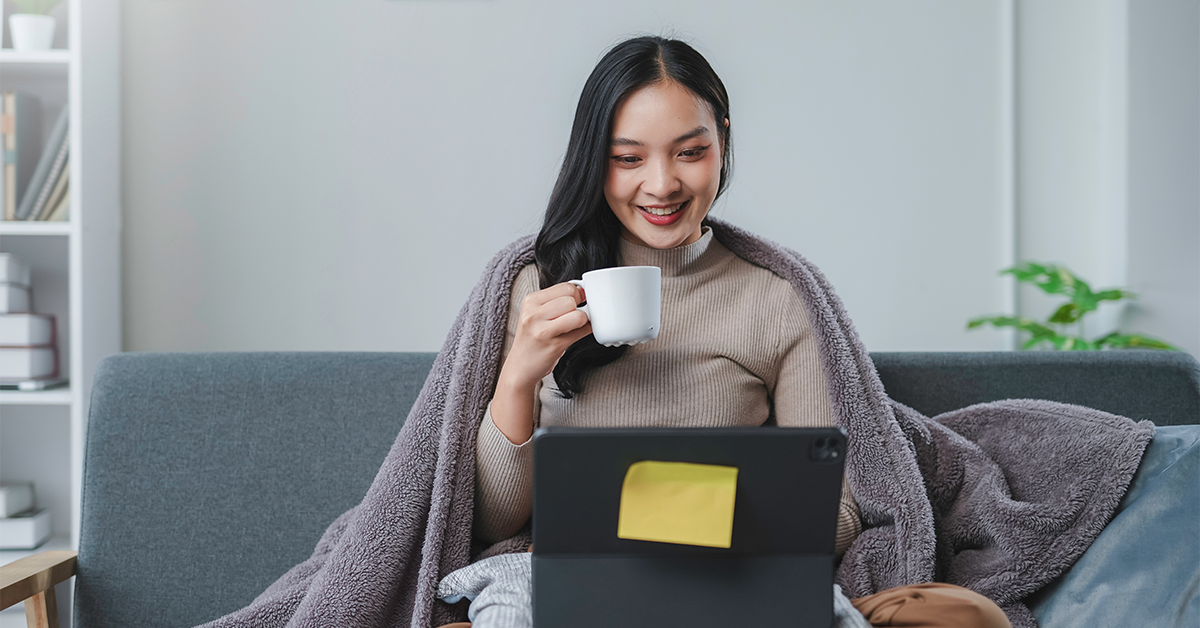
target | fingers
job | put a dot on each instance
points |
(557, 291)
(548, 306)
(567, 325)
(578, 333)
(549, 323)
(553, 309)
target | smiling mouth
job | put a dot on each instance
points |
(666, 210)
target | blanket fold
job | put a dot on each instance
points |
(1000, 498)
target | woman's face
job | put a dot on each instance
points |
(664, 166)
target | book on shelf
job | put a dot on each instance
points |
(26, 329)
(15, 498)
(13, 270)
(55, 196)
(22, 363)
(21, 128)
(25, 531)
(62, 209)
(14, 297)
(45, 175)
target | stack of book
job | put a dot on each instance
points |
(22, 525)
(28, 343)
(35, 184)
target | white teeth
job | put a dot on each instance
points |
(662, 211)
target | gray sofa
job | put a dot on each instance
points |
(208, 475)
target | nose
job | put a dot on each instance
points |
(661, 179)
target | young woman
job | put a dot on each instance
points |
(649, 153)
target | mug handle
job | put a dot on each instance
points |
(581, 307)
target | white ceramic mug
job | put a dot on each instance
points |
(624, 303)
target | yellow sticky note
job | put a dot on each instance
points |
(678, 502)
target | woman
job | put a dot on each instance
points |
(649, 153)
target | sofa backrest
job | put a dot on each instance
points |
(209, 475)
(1161, 386)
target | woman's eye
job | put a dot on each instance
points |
(693, 152)
(627, 160)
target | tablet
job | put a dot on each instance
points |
(780, 552)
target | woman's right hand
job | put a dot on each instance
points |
(549, 323)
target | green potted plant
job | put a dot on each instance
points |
(1081, 299)
(32, 26)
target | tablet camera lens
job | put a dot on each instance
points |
(825, 449)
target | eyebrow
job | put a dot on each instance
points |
(696, 132)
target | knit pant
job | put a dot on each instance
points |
(929, 605)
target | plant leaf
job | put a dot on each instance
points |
(1053, 282)
(1051, 278)
(998, 321)
(1033, 342)
(1069, 282)
(1056, 279)
(1074, 343)
(1026, 271)
(977, 322)
(1068, 313)
(35, 7)
(1022, 323)
(1083, 297)
(1039, 332)
(1134, 341)
(1114, 295)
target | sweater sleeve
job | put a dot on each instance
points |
(802, 400)
(504, 470)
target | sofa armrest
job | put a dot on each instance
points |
(32, 580)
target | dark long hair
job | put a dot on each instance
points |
(580, 231)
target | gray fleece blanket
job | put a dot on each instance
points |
(1000, 498)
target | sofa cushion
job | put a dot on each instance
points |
(1144, 569)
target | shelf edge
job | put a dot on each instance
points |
(55, 397)
(19, 227)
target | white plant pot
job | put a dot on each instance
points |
(31, 32)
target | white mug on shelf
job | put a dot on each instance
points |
(624, 303)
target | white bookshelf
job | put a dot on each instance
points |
(76, 264)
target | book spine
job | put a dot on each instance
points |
(9, 127)
(45, 175)
(6, 124)
(27, 127)
(61, 211)
(56, 185)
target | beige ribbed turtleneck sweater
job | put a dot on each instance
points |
(734, 338)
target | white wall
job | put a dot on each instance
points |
(1071, 138)
(321, 175)
(1108, 157)
(1164, 169)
